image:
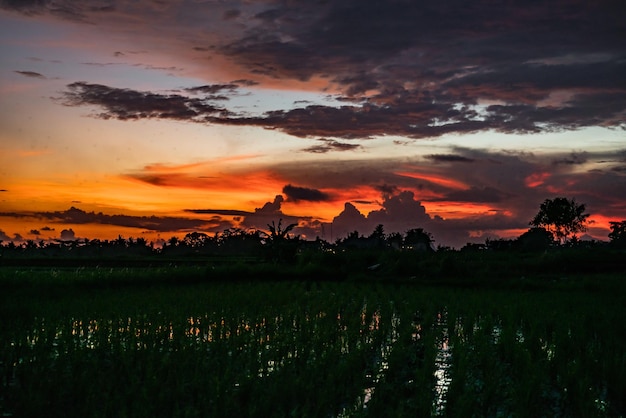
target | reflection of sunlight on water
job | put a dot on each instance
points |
(443, 362)
(380, 362)
(380, 358)
(276, 340)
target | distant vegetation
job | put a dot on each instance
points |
(549, 248)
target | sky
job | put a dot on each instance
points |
(154, 118)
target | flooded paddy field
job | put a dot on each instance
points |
(311, 349)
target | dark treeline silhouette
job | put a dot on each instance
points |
(550, 245)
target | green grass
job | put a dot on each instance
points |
(173, 342)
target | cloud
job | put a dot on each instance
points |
(449, 158)
(382, 47)
(477, 195)
(328, 145)
(405, 118)
(212, 88)
(4, 236)
(152, 223)
(270, 211)
(498, 191)
(63, 9)
(296, 194)
(34, 232)
(397, 69)
(350, 219)
(505, 188)
(416, 70)
(31, 74)
(572, 159)
(226, 212)
(127, 104)
(401, 212)
(231, 14)
(398, 213)
(68, 235)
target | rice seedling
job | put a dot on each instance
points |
(293, 348)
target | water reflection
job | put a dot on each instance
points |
(443, 362)
(263, 345)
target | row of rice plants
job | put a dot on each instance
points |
(227, 350)
(535, 354)
(303, 349)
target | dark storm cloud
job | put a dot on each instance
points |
(353, 33)
(449, 158)
(296, 194)
(152, 223)
(404, 68)
(460, 52)
(65, 9)
(126, 104)
(31, 74)
(415, 120)
(26, 6)
(357, 122)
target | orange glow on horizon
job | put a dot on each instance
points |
(601, 221)
(458, 210)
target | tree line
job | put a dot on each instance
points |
(556, 224)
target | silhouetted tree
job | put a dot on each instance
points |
(378, 232)
(239, 241)
(561, 217)
(535, 239)
(418, 240)
(618, 233)
(196, 239)
(282, 247)
(395, 240)
(277, 232)
(501, 244)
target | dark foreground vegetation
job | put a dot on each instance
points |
(306, 348)
(549, 248)
(533, 259)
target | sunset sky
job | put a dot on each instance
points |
(155, 118)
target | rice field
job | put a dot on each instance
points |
(311, 349)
